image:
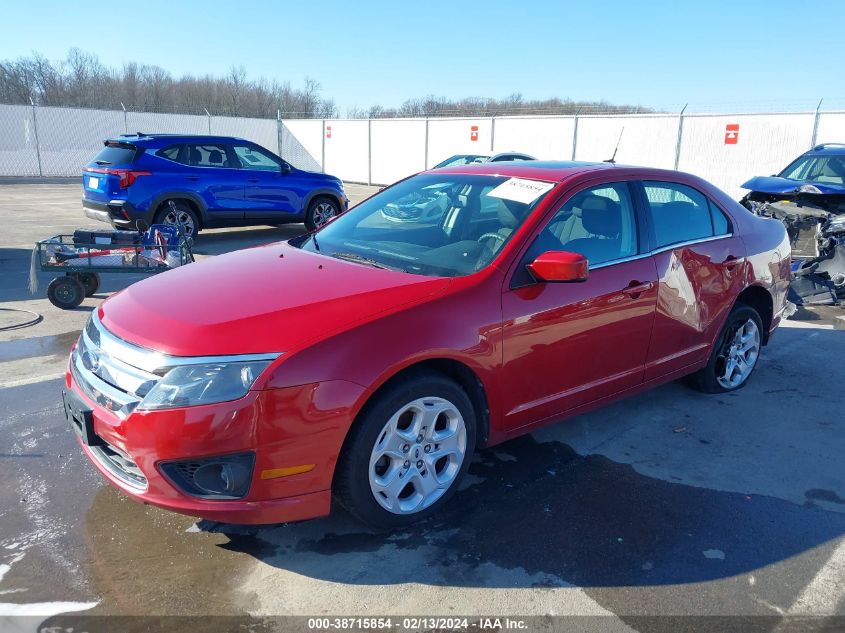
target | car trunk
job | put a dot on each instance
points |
(109, 171)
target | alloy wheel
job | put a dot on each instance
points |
(323, 212)
(418, 455)
(180, 217)
(739, 355)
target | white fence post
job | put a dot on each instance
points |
(425, 156)
(680, 136)
(323, 157)
(279, 131)
(575, 133)
(816, 125)
(125, 121)
(492, 133)
(208, 114)
(35, 134)
(369, 151)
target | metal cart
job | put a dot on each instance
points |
(160, 248)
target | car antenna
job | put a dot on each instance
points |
(612, 159)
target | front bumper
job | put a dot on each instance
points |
(284, 428)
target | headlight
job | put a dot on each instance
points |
(809, 189)
(191, 385)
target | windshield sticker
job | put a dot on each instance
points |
(521, 190)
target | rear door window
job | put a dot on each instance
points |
(209, 155)
(682, 214)
(116, 154)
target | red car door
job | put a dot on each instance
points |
(699, 265)
(568, 344)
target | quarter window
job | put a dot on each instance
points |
(682, 214)
(208, 155)
(171, 153)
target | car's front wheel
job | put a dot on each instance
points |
(407, 452)
(735, 354)
(320, 212)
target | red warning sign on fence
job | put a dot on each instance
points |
(731, 133)
(473, 133)
(328, 131)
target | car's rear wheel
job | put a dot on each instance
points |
(320, 211)
(179, 213)
(735, 354)
(407, 452)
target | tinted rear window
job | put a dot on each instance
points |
(116, 154)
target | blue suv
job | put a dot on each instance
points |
(213, 181)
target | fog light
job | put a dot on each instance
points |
(224, 477)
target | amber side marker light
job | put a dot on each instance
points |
(274, 473)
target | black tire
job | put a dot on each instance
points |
(90, 282)
(707, 379)
(66, 292)
(319, 213)
(181, 211)
(352, 477)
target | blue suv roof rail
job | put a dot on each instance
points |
(827, 145)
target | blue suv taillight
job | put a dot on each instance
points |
(127, 176)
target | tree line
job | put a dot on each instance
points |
(82, 80)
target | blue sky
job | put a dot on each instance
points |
(713, 54)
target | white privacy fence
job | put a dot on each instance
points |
(726, 149)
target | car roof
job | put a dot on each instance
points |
(827, 149)
(142, 139)
(549, 170)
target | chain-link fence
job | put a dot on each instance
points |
(726, 149)
(52, 141)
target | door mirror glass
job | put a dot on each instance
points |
(560, 266)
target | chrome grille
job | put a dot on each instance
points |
(113, 373)
(120, 465)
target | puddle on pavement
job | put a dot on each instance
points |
(54, 345)
(141, 560)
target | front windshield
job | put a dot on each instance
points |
(824, 169)
(462, 159)
(439, 225)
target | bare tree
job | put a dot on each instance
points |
(81, 80)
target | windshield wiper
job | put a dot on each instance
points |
(360, 259)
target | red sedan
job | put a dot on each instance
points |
(365, 362)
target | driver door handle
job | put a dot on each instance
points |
(635, 288)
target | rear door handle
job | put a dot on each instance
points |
(635, 288)
(192, 178)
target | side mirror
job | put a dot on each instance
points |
(286, 168)
(560, 266)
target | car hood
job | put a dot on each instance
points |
(273, 298)
(776, 184)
